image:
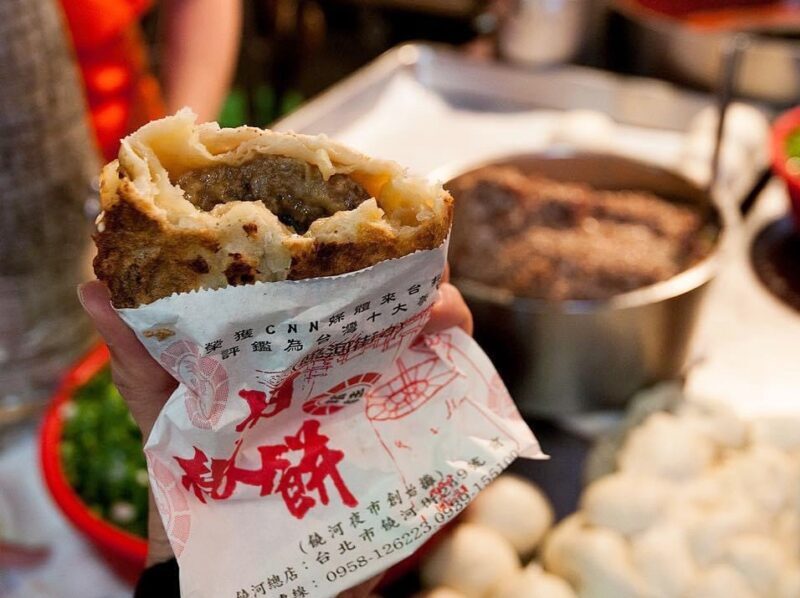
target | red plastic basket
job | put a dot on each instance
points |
(124, 552)
(786, 124)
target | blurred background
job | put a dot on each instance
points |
(652, 151)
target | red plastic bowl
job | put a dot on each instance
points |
(124, 552)
(786, 124)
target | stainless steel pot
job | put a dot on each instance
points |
(543, 32)
(661, 46)
(575, 356)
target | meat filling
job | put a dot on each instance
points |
(552, 240)
(293, 190)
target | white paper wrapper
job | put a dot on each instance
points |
(315, 438)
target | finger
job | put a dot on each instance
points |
(133, 364)
(446, 272)
(120, 339)
(449, 311)
(159, 549)
(143, 383)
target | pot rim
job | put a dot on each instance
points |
(681, 284)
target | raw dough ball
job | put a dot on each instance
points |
(782, 432)
(704, 492)
(472, 559)
(787, 532)
(759, 559)
(595, 560)
(789, 585)
(602, 459)
(711, 534)
(717, 422)
(627, 503)
(661, 556)
(558, 545)
(514, 508)
(664, 446)
(586, 129)
(764, 475)
(721, 581)
(532, 582)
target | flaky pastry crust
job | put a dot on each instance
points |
(152, 242)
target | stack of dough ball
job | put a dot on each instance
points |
(481, 557)
(702, 505)
(515, 509)
(472, 560)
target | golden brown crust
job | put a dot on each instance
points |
(332, 258)
(152, 243)
(140, 261)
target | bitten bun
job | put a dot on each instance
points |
(152, 241)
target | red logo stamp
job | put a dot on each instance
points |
(345, 393)
(205, 379)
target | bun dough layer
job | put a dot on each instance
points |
(152, 241)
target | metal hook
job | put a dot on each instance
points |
(726, 88)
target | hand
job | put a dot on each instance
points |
(146, 386)
(450, 310)
(141, 381)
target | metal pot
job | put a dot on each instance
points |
(663, 46)
(543, 32)
(561, 358)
